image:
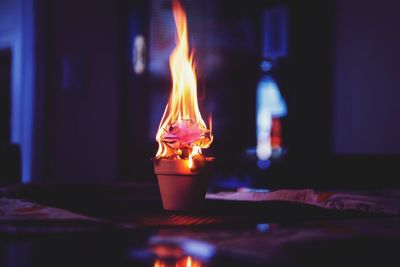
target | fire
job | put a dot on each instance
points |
(186, 261)
(189, 262)
(182, 132)
(159, 263)
(195, 151)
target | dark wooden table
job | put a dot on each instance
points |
(131, 229)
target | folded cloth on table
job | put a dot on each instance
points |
(376, 202)
(18, 209)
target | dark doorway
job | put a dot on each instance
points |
(5, 95)
(10, 172)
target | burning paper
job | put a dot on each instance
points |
(182, 132)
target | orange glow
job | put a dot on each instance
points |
(159, 263)
(195, 151)
(182, 132)
(189, 262)
(184, 262)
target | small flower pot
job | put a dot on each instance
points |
(181, 188)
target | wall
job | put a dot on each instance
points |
(82, 75)
(367, 80)
(16, 33)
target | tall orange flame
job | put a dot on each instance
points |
(182, 118)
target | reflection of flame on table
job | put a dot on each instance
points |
(183, 262)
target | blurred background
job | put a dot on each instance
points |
(302, 93)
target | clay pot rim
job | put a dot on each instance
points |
(208, 159)
(178, 167)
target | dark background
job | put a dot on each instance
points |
(94, 119)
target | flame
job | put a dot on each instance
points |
(182, 113)
(189, 262)
(158, 263)
(196, 150)
(186, 261)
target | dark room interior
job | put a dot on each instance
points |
(199, 132)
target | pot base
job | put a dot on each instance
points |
(182, 192)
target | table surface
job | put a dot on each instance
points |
(124, 225)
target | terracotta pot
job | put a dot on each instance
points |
(181, 188)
